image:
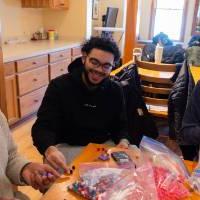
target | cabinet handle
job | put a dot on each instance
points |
(61, 55)
(62, 4)
(35, 79)
(61, 70)
(36, 100)
(34, 63)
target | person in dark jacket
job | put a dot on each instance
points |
(81, 107)
(190, 130)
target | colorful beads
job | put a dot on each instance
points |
(104, 156)
(92, 192)
(83, 189)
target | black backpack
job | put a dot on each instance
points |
(140, 122)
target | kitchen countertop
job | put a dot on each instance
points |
(12, 52)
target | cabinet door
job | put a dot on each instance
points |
(60, 3)
(11, 99)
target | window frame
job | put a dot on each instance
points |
(183, 25)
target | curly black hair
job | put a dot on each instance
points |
(102, 43)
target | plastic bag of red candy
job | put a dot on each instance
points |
(170, 172)
(162, 156)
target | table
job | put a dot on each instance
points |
(195, 71)
(59, 191)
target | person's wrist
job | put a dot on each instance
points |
(22, 179)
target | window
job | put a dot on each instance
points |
(168, 17)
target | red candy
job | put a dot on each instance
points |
(169, 186)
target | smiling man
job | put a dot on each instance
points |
(82, 107)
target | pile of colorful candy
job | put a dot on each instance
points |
(96, 181)
(169, 186)
(80, 187)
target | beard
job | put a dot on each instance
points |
(87, 71)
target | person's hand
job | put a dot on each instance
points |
(55, 158)
(39, 175)
(124, 144)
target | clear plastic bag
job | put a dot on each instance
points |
(96, 178)
(194, 180)
(162, 156)
(139, 185)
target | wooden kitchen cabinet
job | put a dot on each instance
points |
(60, 3)
(25, 81)
(31, 102)
(11, 99)
(12, 113)
(59, 68)
(32, 80)
(76, 52)
(54, 4)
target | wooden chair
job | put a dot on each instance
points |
(156, 85)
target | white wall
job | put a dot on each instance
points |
(145, 20)
(17, 21)
(103, 4)
(69, 23)
(22, 22)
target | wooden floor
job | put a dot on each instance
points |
(22, 136)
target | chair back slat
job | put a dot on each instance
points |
(156, 101)
(156, 67)
(155, 90)
(156, 79)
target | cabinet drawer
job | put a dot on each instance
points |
(59, 68)
(31, 102)
(9, 68)
(31, 63)
(76, 51)
(31, 80)
(60, 55)
(61, 4)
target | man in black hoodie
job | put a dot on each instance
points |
(191, 125)
(83, 106)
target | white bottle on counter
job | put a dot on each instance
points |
(158, 53)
